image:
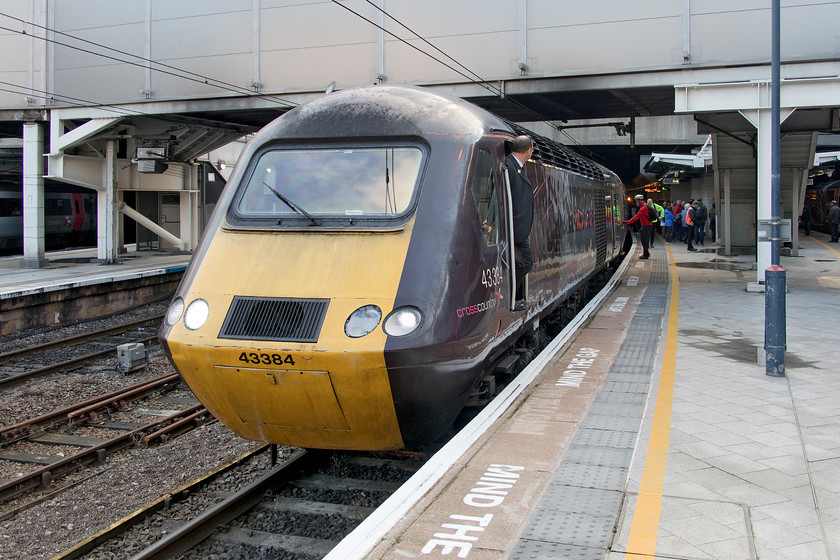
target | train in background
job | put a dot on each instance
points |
(818, 198)
(69, 219)
(354, 288)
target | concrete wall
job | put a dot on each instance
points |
(304, 45)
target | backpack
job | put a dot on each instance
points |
(700, 214)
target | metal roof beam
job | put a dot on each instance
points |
(755, 94)
(60, 142)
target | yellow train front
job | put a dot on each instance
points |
(353, 287)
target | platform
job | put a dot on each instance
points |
(74, 286)
(78, 267)
(649, 430)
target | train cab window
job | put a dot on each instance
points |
(484, 193)
(318, 185)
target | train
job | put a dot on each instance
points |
(818, 198)
(354, 288)
(69, 219)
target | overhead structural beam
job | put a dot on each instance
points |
(61, 141)
(737, 96)
(823, 158)
(150, 225)
(754, 100)
(698, 160)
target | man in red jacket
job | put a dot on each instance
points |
(643, 217)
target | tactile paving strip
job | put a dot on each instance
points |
(577, 499)
(577, 514)
(537, 550)
(601, 456)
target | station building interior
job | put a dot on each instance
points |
(148, 106)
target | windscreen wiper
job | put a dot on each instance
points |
(290, 204)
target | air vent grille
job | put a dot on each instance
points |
(278, 319)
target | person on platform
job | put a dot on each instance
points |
(805, 219)
(522, 195)
(689, 218)
(677, 232)
(668, 223)
(657, 214)
(834, 220)
(643, 217)
(713, 222)
(700, 214)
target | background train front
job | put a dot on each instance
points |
(318, 319)
(69, 218)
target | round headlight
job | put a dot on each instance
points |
(402, 321)
(196, 315)
(173, 314)
(362, 321)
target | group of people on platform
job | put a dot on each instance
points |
(680, 220)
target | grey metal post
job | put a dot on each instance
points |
(775, 340)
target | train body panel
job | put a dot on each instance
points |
(413, 278)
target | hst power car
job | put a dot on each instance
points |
(353, 289)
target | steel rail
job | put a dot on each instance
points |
(32, 426)
(5, 357)
(44, 476)
(199, 417)
(192, 533)
(126, 523)
(12, 379)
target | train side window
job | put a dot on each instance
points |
(54, 207)
(486, 200)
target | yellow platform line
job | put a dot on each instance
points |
(824, 244)
(645, 526)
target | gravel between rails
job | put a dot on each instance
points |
(40, 395)
(126, 482)
(129, 480)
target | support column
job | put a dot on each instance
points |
(727, 211)
(761, 119)
(107, 246)
(795, 212)
(763, 249)
(33, 197)
(188, 208)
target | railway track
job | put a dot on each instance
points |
(300, 508)
(119, 412)
(19, 365)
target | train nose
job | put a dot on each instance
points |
(305, 372)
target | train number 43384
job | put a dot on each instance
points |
(491, 277)
(266, 359)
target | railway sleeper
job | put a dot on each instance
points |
(340, 484)
(298, 506)
(293, 544)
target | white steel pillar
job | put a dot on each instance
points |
(33, 197)
(761, 119)
(188, 209)
(727, 211)
(107, 246)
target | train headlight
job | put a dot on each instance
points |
(402, 321)
(196, 315)
(173, 314)
(362, 321)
